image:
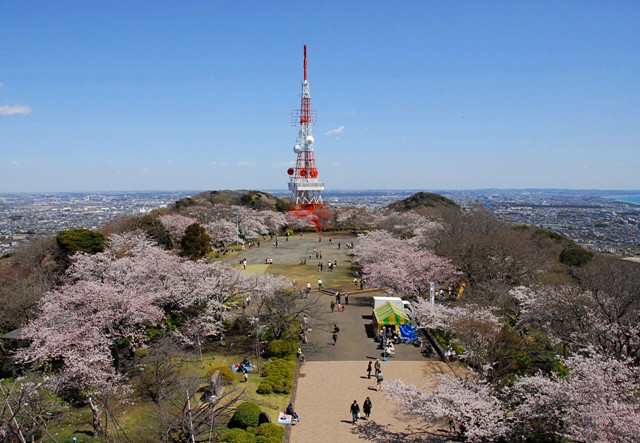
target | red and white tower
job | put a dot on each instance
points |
(303, 179)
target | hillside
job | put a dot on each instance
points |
(253, 199)
(421, 200)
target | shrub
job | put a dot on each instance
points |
(278, 376)
(226, 373)
(269, 433)
(245, 415)
(80, 240)
(281, 348)
(237, 436)
(265, 387)
(575, 256)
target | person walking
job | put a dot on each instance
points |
(333, 306)
(366, 407)
(379, 379)
(369, 369)
(319, 284)
(335, 338)
(346, 298)
(378, 366)
(355, 412)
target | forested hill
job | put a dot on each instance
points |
(254, 199)
(422, 200)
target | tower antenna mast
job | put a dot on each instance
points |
(303, 178)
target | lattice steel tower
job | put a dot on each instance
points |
(303, 179)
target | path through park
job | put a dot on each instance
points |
(333, 376)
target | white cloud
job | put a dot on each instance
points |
(14, 163)
(144, 170)
(223, 164)
(246, 164)
(15, 109)
(336, 131)
(1, 85)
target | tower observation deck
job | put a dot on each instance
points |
(304, 184)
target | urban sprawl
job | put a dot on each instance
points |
(593, 219)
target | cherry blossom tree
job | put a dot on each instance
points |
(475, 328)
(223, 231)
(409, 224)
(301, 220)
(468, 405)
(358, 218)
(399, 265)
(596, 401)
(111, 297)
(580, 319)
(176, 225)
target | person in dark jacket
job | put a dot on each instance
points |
(366, 407)
(291, 412)
(355, 412)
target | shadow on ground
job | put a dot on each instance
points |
(372, 431)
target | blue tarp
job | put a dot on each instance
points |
(407, 331)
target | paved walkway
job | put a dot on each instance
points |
(332, 377)
(327, 389)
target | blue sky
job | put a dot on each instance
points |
(115, 95)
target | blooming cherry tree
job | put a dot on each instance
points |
(468, 405)
(579, 318)
(399, 265)
(595, 402)
(176, 225)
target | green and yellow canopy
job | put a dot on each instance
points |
(390, 314)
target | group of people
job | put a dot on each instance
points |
(377, 367)
(355, 410)
(340, 307)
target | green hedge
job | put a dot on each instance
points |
(282, 348)
(245, 416)
(265, 433)
(237, 436)
(278, 376)
(269, 433)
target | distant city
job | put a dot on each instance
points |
(604, 221)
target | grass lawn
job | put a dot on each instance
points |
(139, 417)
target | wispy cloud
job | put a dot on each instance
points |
(1, 85)
(15, 109)
(15, 162)
(246, 164)
(222, 164)
(336, 131)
